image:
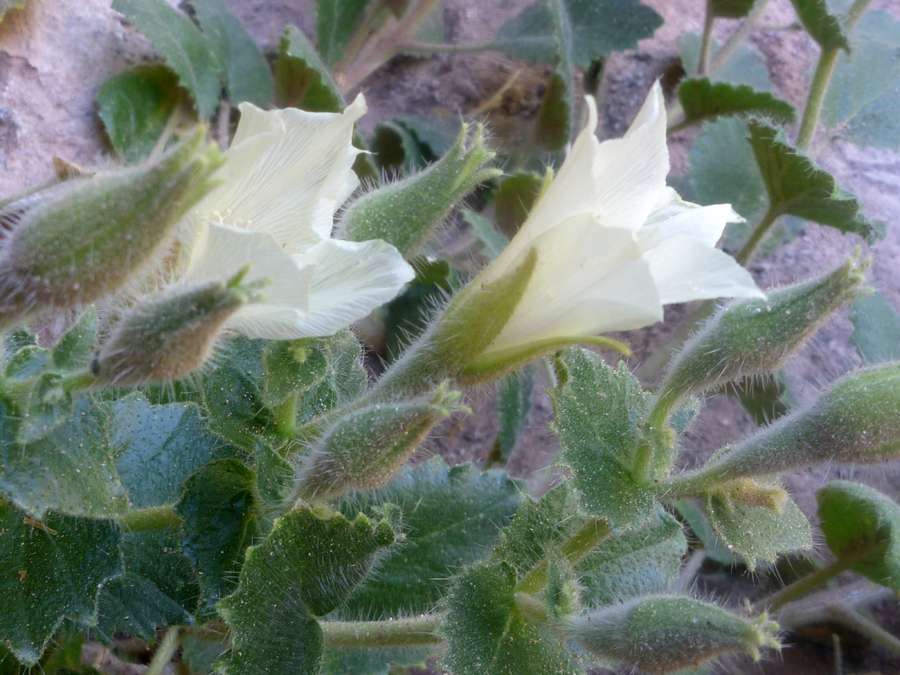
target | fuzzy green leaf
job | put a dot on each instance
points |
(244, 68)
(301, 79)
(487, 635)
(514, 198)
(746, 66)
(50, 571)
(699, 523)
(157, 448)
(730, 9)
(274, 474)
(859, 525)
(307, 566)
(336, 20)
(640, 561)
(539, 527)
(70, 469)
(703, 99)
(878, 122)
(597, 416)
(876, 331)
(219, 513)
(824, 27)
(135, 107)
(451, 517)
(513, 405)
(553, 126)
(600, 27)
(74, 350)
(185, 48)
(159, 587)
(352, 661)
(754, 532)
(47, 407)
(292, 367)
(406, 144)
(798, 187)
(865, 77)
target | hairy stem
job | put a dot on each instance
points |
(759, 232)
(822, 78)
(574, 549)
(165, 652)
(706, 41)
(805, 584)
(411, 632)
(286, 415)
(152, 518)
(738, 36)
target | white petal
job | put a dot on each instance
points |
(349, 280)
(674, 216)
(286, 173)
(685, 269)
(588, 280)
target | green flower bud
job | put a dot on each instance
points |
(81, 239)
(752, 337)
(168, 336)
(366, 447)
(406, 213)
(856, 420)
(667, 634)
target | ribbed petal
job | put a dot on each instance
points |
(588, 280)
(685, 269)
(349, 280)
(287, 173)
(674, 216)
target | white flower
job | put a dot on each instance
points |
(287, 172)
(613, 243)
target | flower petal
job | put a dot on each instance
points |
(349, 280)
(685, 269)
(588, 280)
(287, 173)
(674, 216)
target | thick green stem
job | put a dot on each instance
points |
(412, 632)
(738, 36)
(805, 585)
(286, 415)
(706, 41)
(753, 241)
(152, 518)
(822, 78)
(165, 652)
(574, 549)
(429, 48)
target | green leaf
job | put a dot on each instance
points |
(274, 475)
(292, 367)
(513, 405)
(373, 661)
(754, 532)
(730, 9)
(451, 517)
(765, 397)
(599, 27)
(539, 527)
(824, 27)
(200, 655)
(746, 66)
(597, 416)
(47, 407)
(70, 469)
(798, 187)
(347, 375)
(74, 350)
(553, 126)
(866, 76)
(406, 144)
(50, 571)
(219, 511)
(703, 99)
(301, 79)
(483, 229)
(306, 567)
(28, 361)
(514, 198)
(336, 21)
(159, 587)
(487, 635)
(859, 524)
(696, 519)
(185, 48)
(876, 327)
(135, 107)
(246, 73)
(877, 123)
(637, 562)
(233, 393)
(157, 448)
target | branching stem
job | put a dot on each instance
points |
(574, 549)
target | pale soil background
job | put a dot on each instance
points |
(55, 55)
